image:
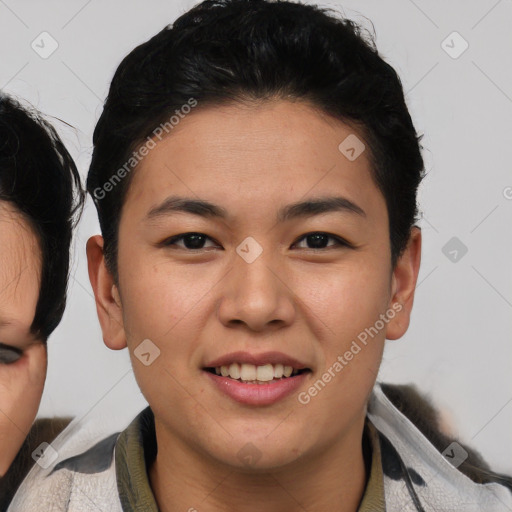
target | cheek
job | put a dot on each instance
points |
(345, 300)
(21, 388)
(153, 300)
(345, 306)
(169, 305)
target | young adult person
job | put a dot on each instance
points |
(255, 171)
(40, 200)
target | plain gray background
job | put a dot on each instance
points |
(458, 348)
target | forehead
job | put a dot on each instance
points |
(19, 270)
(250, 155)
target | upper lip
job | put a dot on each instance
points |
(257, 360)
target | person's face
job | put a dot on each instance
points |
(303, 298)
(22, 357)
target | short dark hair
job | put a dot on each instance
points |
(251, 50)
(40, 179)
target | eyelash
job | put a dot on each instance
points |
(9, 355)
(340, 242)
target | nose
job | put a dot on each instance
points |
(256, 295)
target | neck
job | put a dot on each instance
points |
(334, 479)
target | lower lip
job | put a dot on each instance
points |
(257, 394)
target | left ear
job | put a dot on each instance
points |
(403, 286)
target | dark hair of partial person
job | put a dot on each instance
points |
(39, 178)
(248, 51)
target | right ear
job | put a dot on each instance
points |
(106, 294)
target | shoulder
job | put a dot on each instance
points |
(43, 430)
(76, 472)
(418, 408)
(421, 462)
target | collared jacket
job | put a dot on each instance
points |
(413, 475)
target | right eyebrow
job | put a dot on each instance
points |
(175, 204)
(317, 206)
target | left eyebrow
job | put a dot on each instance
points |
(318, 206)
(206, 209)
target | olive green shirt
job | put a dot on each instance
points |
(136, 450)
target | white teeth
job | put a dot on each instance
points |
(265, 373)
(255, 374)
(234, 371)
(248, 372)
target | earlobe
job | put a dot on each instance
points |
(403, 286)
(108, 300)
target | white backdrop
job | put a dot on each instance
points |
(459, 346)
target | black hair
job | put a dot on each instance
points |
(39, 178)
(244, 51)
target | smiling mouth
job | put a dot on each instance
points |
(252, 374)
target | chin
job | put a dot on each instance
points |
(257, 454)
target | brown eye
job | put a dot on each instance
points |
(191, 241)
(319, 240)
(8, 354)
